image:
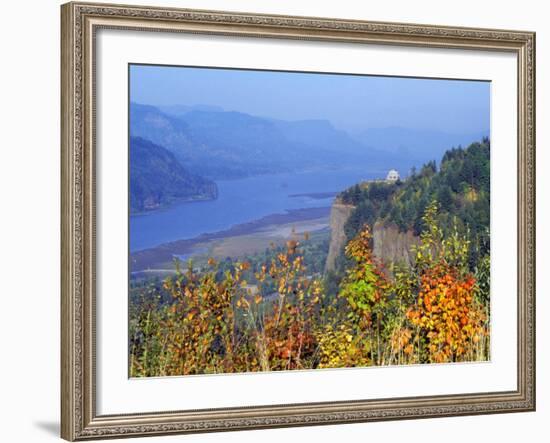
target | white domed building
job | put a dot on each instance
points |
(392, 176)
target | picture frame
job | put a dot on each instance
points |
(81, 23)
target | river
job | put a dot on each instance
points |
(241, 201)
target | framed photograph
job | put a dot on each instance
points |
(283, 221)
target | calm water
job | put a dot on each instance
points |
(239, 201)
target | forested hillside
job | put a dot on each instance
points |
(461, 185)
(158, 179)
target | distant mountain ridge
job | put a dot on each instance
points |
(211, 147)
(179, 111)
(221, 144)
(157, 179)
(228, 144)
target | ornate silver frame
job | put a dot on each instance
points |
(80, 21)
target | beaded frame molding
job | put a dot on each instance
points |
(79, 23)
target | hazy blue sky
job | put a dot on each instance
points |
(350, 102)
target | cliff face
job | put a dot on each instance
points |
(389, 244)
(339, 215)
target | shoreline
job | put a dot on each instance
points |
(316, 195)
(172, 203)
(147, 258)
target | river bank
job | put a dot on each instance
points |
(242, 238)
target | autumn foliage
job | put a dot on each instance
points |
(215, 321)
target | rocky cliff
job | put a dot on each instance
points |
(339, 215)
(389, 244)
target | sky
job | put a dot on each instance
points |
(350, 102)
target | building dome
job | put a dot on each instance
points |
(392, 176)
